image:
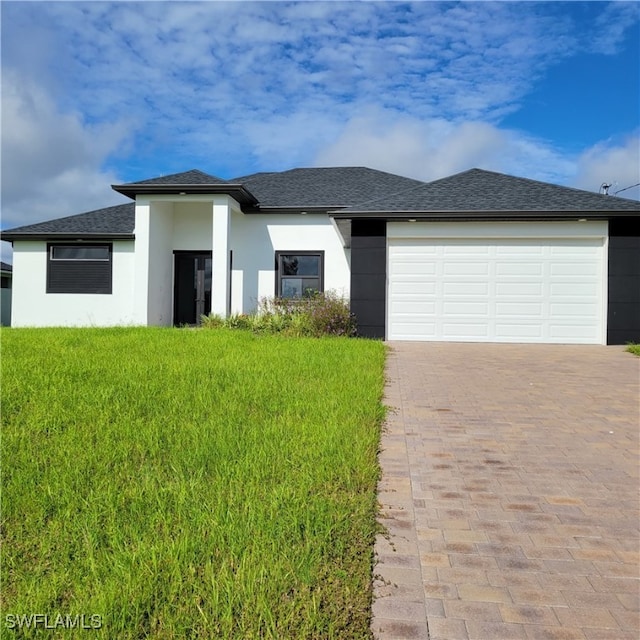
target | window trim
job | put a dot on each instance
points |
(294, 252)
(81, 264)
(84, 245)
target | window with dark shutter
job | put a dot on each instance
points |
(82, 268)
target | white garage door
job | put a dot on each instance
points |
(496, 290)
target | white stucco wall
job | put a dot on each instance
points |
(143, 280)
(256, 237)
(192, 226)
(32, 306)
(160, 288)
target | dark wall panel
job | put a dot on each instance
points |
(623, 317)
(368, 276)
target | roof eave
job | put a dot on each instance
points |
(66, 235)
(525, 216)
(289, 210)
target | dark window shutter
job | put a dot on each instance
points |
(79, 276)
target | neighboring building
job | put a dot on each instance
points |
(478, 256)
(6, 272)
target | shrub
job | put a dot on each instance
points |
(322, 314)
(212, 321)
(238, 321)
(329, 314)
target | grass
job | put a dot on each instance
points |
(189, 484)
(634, 348)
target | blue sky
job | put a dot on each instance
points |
(98, 93)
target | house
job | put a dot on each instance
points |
(6, 273)
(477, 256)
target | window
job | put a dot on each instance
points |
(299, 273)
(79, 268)
(5, 282)
(98, 252)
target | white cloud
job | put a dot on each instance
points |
(211, 70)
(614, 164)
(234, 87)
(41, 144)
(611, 25)
(51, 161)
(433, 148)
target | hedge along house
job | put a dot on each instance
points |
(478, 256)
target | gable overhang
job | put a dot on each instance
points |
(237, 191)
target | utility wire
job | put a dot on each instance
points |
(631, 187)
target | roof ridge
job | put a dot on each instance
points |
(164, 178)
(536, 182)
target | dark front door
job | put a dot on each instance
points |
(192, 286)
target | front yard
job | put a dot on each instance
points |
(180, 484)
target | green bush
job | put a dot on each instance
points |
(212, 321)
(322, 314)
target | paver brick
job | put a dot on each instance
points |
(529, 614)
(483, 593)
(586, 617)
(483, 630)
(535, 632)
(511, 508)
(469, 610)
(447, 629)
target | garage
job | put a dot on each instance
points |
(497, 282)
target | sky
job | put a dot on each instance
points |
(102, 93)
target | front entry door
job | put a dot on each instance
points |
(192, 286)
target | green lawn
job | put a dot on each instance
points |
(183, 484)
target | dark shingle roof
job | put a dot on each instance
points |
(110, 221)
(360, 190)
(323, 187)
(5, 266)
(194, 176)
(193, 181)
(479, 190)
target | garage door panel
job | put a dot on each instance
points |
(411, 331)
(518, 288)
(417, 268)
(572, 289)
(519, 309)
(465, 288)
(583, 269)
(466, 307)
(465, 250)
(415, 307)
(573, 333)
(465, 330)
(581, 248)
(463, 268)
(496, 290)
(581, 310)
(518, 269)
(519, 330)
(519, 249)
(414, 287)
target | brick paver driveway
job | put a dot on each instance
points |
(510, 493)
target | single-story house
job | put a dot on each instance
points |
(478, 256)
(6, 274)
